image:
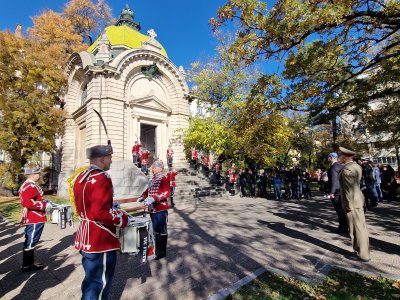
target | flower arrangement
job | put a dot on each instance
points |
(71, 182)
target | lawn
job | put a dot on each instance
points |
(338, 285)
(10, 207)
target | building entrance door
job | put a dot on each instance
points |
(148, 139)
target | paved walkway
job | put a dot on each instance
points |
(213, 243)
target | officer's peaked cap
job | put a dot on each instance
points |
(346, 152)
(99, 151)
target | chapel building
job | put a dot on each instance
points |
(139, 92)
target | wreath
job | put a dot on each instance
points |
(71, 182)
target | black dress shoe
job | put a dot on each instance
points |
(342, 230)
(355, 257)
(34, 267)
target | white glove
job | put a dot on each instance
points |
(116, 205)
(48, 206)
(149, 201)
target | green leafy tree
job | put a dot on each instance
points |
(339, 55)
(241, 126)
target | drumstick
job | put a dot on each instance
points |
(135, 208)
(127, 200)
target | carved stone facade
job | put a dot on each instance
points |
(109, 78)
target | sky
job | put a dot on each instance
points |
(181, 25)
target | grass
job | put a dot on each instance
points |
(339, 284)
(11, 208)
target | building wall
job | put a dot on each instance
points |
(125, 98)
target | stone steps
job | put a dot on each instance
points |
(191, 184)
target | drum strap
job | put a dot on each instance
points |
(98, 225)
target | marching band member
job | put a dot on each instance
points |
(170, 156)
(171, 177)
(96, 237)
(195, 155)
(156, 199)
(144, 160)
(33, 217)
(136, 151)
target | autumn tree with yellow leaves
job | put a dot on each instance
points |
(32, 79)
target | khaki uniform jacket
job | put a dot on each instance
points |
(349, 178)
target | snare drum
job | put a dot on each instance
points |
(61, 215)
(130, 238)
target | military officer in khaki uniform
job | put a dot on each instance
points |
(353, 204)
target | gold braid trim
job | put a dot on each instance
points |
(71, 182)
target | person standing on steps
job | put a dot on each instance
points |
(136, 152)
(171, 177)
(33, 217)
(144, 161)
(155, 197)
(170, 157)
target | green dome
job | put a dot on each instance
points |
(127, 36)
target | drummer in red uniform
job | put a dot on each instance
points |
(33, 217)
(156, 199)
(136, 151)
(96, 238)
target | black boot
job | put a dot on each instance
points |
(28, 261)
(163, 246)
(157, 242)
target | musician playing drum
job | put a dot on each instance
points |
(96, 237)
(33, 217)
(156, 199)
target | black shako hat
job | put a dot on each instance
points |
(99, 151)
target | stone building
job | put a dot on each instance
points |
(140, 93)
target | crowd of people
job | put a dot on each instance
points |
(378, 182)
(353, 186)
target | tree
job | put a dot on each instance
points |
(241, 126)
(29, 94)
(33, 80)
(339, 55)
(89, 18)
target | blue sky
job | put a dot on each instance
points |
(181, 25)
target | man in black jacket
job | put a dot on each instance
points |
(334, 191)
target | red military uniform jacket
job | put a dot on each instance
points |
(195, 154)
(232, 176)
(170, 152)
(217, 168)
(136, 149)
(206, 160)
(159, 189)
(97, 232)
(31, 196)
(144, 157)
(171, 177)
